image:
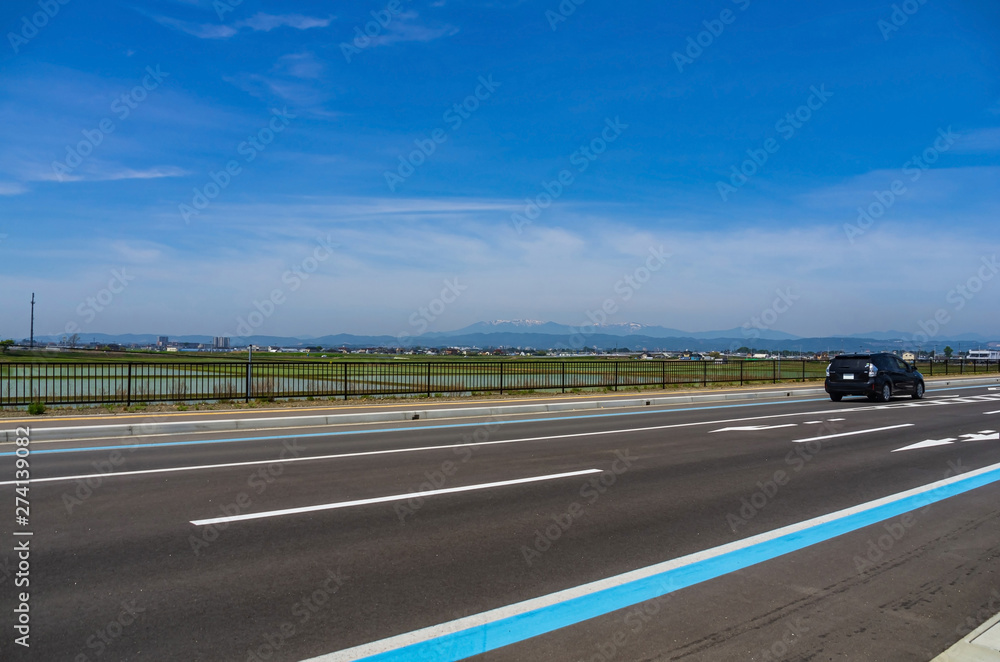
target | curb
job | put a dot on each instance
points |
(980, 645)
(125, 430)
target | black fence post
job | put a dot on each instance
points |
(803, 370)
(128, 388)
(704, 372)
(345, 379)
(428, 379)
(563, 364)
(663, 374)
(501, 378)
(616, 376)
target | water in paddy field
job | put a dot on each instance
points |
(98, 383)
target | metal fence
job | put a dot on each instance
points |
(131, 383)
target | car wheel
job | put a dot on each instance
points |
(885, 394)
(836, 397)
(918, 391)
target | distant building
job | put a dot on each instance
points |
(220, 342)
(161, 341)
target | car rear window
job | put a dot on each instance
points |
(853, 365)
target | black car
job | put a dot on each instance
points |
(878, 376)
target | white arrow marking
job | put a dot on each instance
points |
(927, 444)
(983, 435)
(743, 428)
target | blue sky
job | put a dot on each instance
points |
(188, 166)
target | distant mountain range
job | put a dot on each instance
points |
(613, 329)
(535, 334)
(895, 335)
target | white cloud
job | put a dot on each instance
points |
(200, 30)
(925, 195)
(266, 22)
(981, 140)
(137, 252)
(12, 188)
(259, 22)
(149, 173)
(300, 65)
(295, 78)
(102, 172)
(405, 29)
(392, 256)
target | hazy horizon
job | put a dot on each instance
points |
(749, 334)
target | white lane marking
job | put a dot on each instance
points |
(400, 450)
(927, 402)
(836, 419)
(811, 422)
(927, 443)
(754, 428)
(394, 497)
(422, 448)
(400, 641)
(849, 434)
(982, 435)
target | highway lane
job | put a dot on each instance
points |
(681, 484)
(374, 405)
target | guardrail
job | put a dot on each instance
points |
(128, 383)
(960, 367)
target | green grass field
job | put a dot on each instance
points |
(101, 377)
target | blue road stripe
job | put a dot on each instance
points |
(489, 636)
(167, 444)
(384, 430)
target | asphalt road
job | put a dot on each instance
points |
(325, 560)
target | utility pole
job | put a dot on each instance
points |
(32, 340)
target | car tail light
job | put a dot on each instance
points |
(828, 369)
(872, 369)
